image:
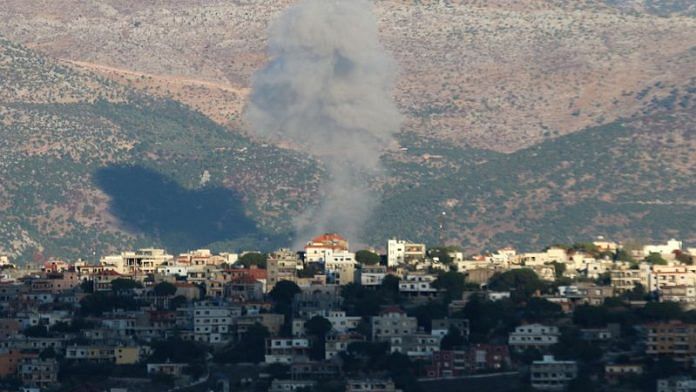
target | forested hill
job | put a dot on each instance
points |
(89, 166)
(630, 179)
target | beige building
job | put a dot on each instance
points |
(674, 339)
(281, 265)
(140, 262)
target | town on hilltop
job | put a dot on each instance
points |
(590, 316)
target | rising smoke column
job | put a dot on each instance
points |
(328, 89)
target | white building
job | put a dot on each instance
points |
(552, 375)
(400, 252)
(287, 350)
(418, 285)
(663, 249)
(533, 336)
(211, 324)
(140, 262)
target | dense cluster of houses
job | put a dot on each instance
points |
(59, 313)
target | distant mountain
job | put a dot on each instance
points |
(91, 166)
(498, 75)
(630, 179)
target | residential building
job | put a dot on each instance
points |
(39, 373)
(440, 327)
(287, 350)
(282, 265)
(291, 385)
(533, 336)
(416, 345)
(322, 247)
(392, 322)
(625, 280)
(140, 262)
(418, 286)
(371, 275)
(676, 384)
(404, 252)
(370, 385)
(616, 372)
(663, 249)
(676, 340)
(550, 374)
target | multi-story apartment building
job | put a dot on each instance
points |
(676, 384)
(549, 374)
(418, 285)
(684, 295)
(676, 340)
(39, 373)
(140, 262)
(625, 280)
(370, 385)
(404, 252)
(287, 350)
(212, 324)
(392, 322)
(338, 342)
(281, 265)
(533, 336)
(323, 247)
(371, 275)
(416, 345)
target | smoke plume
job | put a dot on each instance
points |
(327, 88)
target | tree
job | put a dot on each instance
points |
(522, 283)
(360, 301)
(251, 348)
(121, 284)
(367, 257)
(442, 254)
(453, 284)
(318, 327)
(655, 258)
(284, 291)
(637, 294)
(253, 258)
(683, 257)
(559, 269)
(453, 339)
(36, 331)
(623, 255)
(178, 350)
(164, 289)
(87, 286)
(662, 311)
(390, 289)
(541, 310)
(589, 316)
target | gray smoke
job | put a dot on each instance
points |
(327, 88)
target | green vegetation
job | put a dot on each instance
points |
(367, 257)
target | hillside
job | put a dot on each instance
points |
(500, 75)
(92, 166)
(630, 179)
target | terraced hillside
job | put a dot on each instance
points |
(89, 166)
(494, 74)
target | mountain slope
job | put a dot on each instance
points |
(493, 74)
(73, 144)
(631, 179)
